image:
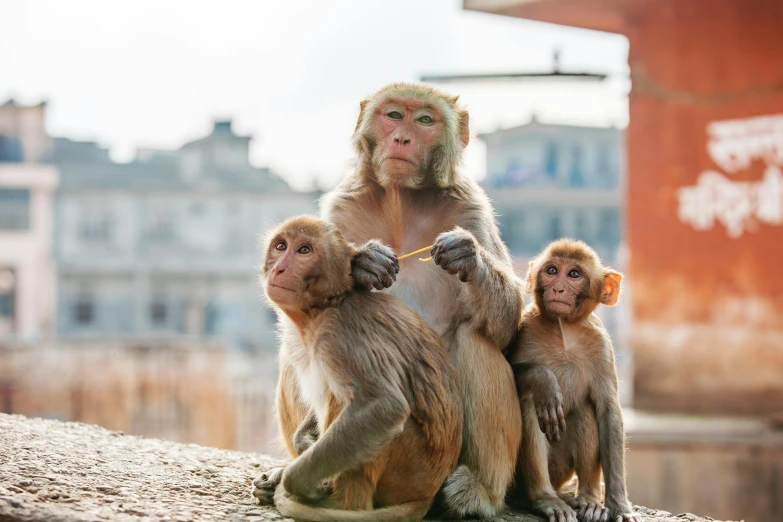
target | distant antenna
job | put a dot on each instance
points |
(556, 73)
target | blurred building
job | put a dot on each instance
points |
(23, 135)
(27, 271)
(168, 244)
(551, 181)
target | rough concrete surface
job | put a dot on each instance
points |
(55, 471)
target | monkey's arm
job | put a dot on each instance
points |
(494, 292)
(611, 444)
(540, 383)
(306, 434)
(355, 437)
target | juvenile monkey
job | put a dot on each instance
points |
(408, 191)
(384, 415)
(563, 344)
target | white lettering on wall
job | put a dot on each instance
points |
(738, 205)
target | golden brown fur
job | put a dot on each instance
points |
(468, 294)
(562, 341)
(380, 415)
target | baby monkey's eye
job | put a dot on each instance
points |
(426, 119)
(551, 270)
(574, 274)
(395, 115)
(304, 250)
(280, 246)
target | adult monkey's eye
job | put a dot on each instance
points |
(304, 250)
(551, 270)
(574, 274)
(426, 119)
(395, 115)
(280, 246)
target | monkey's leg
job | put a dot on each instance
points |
(584, 448)
(353, 490)
(296, 429)
(291, 411)
(492, 430)
(537, 458)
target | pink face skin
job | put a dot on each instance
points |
(563, 282)
(290, 262)
(407, 130)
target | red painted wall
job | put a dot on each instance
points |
(706, 262)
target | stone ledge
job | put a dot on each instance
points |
(68, 472)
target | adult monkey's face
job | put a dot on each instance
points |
(407, 131)
(410, 135)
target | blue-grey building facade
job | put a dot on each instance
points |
(168, 245)
(550, 181)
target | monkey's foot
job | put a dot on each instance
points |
(589, 509)
(465, 497)
(555, 509)
(264, 485)
(627, 516)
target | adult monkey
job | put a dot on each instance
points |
(408, 192)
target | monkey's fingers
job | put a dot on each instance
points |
(554, 427)
(547, 428)
(592, 512)
(561, 417)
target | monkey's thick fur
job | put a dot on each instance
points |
(385, 422)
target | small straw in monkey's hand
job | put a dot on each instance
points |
(419, 251)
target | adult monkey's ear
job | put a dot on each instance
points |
(464, 127)
(610, 292)
(362, 105)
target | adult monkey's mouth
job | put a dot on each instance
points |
(281, 287)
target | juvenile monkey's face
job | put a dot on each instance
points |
(291, 262)
(562, 284)
(407, 130)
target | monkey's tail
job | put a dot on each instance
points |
(410, 512)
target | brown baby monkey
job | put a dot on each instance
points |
(562, 344)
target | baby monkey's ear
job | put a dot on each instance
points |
(611, 288)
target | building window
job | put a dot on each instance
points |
(11, 150)
(609, 227)
(551, 160)
(603, 166)
(576, 176)
(14, 209)
(7, 293)
(158, 311)
(555, 228)
(84, 310)
(160, 228)
(96, 227)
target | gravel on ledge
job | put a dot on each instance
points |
(69, 472)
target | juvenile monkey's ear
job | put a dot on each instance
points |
(362, 105)
(611, 288)
(464, 127)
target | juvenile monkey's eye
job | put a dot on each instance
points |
(426, 119)
(574, 274)
(304, 250)
(395, 115)
(551, 270)
(280, 246)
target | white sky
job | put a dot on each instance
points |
(155, 73)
